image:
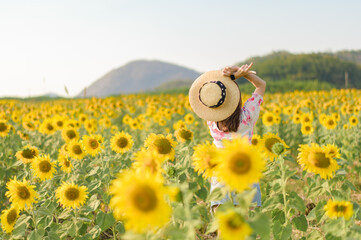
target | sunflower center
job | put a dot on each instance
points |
(77, 149)
(49, 127)
(23, 192)
(340, 208)
(209, 162)
(234, 222)
(71, 194)
(44, 166)
(270, 142)
(28, 153)
(330, 122)
(3, 127)
(353, 120)
(308, 128)
(163, 145)
(11, 217)
(269, 119)
(185, 134)
(59, 123)
(319, 159)
(30, 125)
(240, 163)
(122, 142)
(144, 198)
(254, 141)
(70, 134)
(93, 143)
(67, 163)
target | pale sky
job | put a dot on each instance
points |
(47, 44)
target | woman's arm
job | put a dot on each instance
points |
(259, 83)
(244, 71)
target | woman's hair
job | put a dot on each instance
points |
(231, 123)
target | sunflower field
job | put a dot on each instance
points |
(139, 167)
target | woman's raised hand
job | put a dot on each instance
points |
(238, 71)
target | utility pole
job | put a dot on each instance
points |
(346, 79)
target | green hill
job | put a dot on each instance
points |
(321, 67)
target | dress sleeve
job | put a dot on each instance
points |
(252, 108)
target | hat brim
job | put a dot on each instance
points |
(219, 113)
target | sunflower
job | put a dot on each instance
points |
(47, 127)
(127, 119)
(8, 218)
(183, 135)
(306, 118)
(335, 209)
(353, 121)
(268, 119)
(239, 164)
(140, 200)
(65, 163)
(256, 140)
(232, 225)
(147, 161)
(22, 194)
(332, 150)
(188, 118)
(69, 133)
(27, 154)
(267, 142)
(4, 128)
(317, 160)
(307, 128)
(76, 150)
(163, 145)
(92, 144)
(70, 195)
(179, 124)
(203, 159)
(59, 122)
(23, 136)
(29, 125)
(296, 119)
(121, 142)
(42, 167)
(330, 122)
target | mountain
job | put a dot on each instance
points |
(138, 76)
(323, 67)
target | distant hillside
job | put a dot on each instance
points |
(138, 76)
(351, 56)
(322, 67)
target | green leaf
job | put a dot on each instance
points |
(296, 202)
(202, 193)
(300, 223)
(215, 195)
(314, 235)
(94, 203)
(36, 234)
(334, 227)
(104, 220)
(278, 215)
(179, 213)
(319, 211)
(261, 225)
(95, 232)
(286, 232)
(276, 229)
(53, 236)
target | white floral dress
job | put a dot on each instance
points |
(249, 116)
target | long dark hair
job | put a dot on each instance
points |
(231, 123)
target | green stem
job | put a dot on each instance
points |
(114, 233)
(34, 218)
(284, 181)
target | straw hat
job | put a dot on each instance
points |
(214, 97)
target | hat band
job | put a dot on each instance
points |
(221, 100)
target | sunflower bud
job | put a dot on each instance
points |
(278, 148)
(171, 171)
